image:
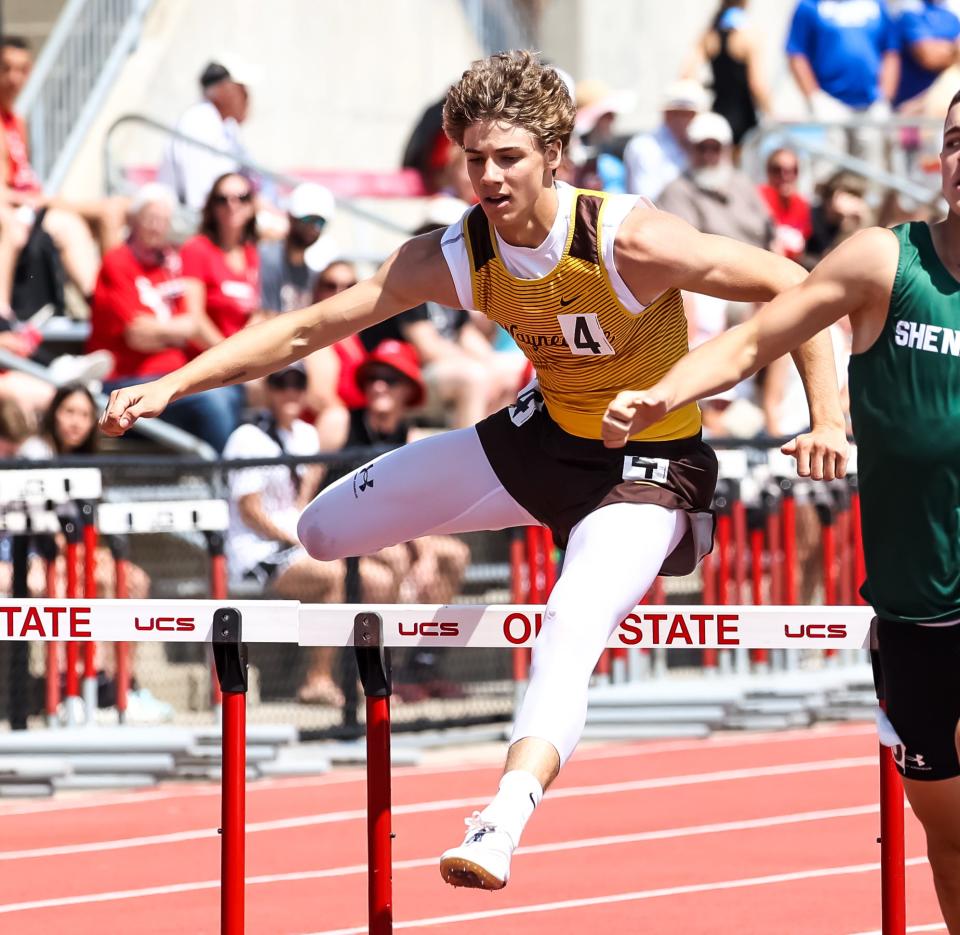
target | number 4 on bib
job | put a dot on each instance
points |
(584, 336)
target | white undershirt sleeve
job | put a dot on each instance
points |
(614, 214)
(454, 246)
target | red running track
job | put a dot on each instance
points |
(747, 834)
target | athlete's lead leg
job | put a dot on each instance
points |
(442, 484)
(613, 556)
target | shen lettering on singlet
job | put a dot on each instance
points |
(584, 343)
(905, 408)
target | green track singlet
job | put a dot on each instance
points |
(905, 406)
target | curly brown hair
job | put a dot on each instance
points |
(515, 87)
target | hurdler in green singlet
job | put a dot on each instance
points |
(905, 406)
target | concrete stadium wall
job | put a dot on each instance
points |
(343, 80)
(641, 45)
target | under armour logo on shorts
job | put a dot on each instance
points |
(361, 481)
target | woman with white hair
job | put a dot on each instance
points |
(145, 313)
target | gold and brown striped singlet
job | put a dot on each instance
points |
(585, 346)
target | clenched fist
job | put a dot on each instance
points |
(131, 403)
(629, 413)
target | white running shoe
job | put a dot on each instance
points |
(483, 860)
(87, 368)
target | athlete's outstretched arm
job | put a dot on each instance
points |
(682, 256)
(856, 279)
(415, 273)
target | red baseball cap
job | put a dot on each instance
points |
(402, 357)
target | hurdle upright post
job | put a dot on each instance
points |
(90, 538)
(70, 526)
(373, 661)
(19, 652)
(230, 659)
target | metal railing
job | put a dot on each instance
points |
(116, 182)
(79, 62)
(169, 436)
(813, 140)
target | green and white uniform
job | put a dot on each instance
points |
(905, 406)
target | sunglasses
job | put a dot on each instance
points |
(243, 199)
(329, 286)
(783, 170)
(314, 220)
(290, 381)
(708, 146)
(386, 374)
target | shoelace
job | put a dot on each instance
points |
(477, 827)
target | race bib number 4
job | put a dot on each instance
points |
(584, 336)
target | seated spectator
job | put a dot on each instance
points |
(717, 198)
(331, 371)
(191, 171)
(841, 210)
(265, 504)
(145, 314)
(286, 278)
(69, 427)
(223, 255)
(597, 109)
(68, 223)
(788, 208)
(655, 159)
(712, 194)
(929, 35)
(428, 149)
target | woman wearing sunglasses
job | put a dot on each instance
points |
(223, 255)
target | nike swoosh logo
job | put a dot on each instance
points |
(565, 302)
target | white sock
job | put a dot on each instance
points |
(518, 795)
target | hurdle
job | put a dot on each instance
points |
(372, 631)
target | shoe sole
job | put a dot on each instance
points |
(458, 871)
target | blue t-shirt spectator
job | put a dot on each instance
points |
(920, 21)
(844, 41)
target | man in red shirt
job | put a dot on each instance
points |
(68, 223)
(145, 313)
(788, 208)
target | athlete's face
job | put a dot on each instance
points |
(508, 169)
(950, 159)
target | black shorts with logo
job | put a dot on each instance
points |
(559, 478)
(919, 679)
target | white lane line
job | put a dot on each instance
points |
(607, 751)
(323, 818)
(630, 897)
(419, 862)
(932, 927)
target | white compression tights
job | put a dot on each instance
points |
(439, 485)
(613, 557)
(444, 484)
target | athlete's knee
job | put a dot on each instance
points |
(319, 536)
(943, 851)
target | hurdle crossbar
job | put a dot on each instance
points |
(372, 630)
